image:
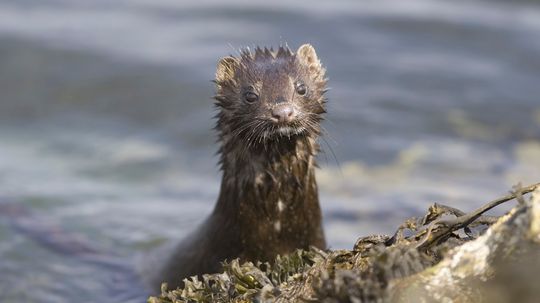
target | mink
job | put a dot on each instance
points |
(270, 107)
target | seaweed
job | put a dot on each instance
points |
(446, 253)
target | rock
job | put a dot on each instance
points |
(468, 258)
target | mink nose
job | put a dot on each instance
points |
(283, 113)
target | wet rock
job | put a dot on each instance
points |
(469, 257)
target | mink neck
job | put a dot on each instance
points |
(264, 179)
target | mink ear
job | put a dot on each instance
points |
(226, 69)
(307, 55)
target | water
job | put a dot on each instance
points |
(106, 117)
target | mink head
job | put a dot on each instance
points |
(267, 94)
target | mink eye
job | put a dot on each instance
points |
(251, 97)
(301, 89)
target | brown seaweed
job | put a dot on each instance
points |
(446, 254)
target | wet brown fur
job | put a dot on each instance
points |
(268, 202)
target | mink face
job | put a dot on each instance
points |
(266, 94)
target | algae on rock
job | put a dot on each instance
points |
(469, 257)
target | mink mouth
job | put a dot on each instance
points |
(284, 131)
(263, 131)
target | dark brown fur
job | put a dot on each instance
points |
(268, 202)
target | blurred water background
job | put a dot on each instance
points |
(106, 138)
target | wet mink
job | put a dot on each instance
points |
(270, 108)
